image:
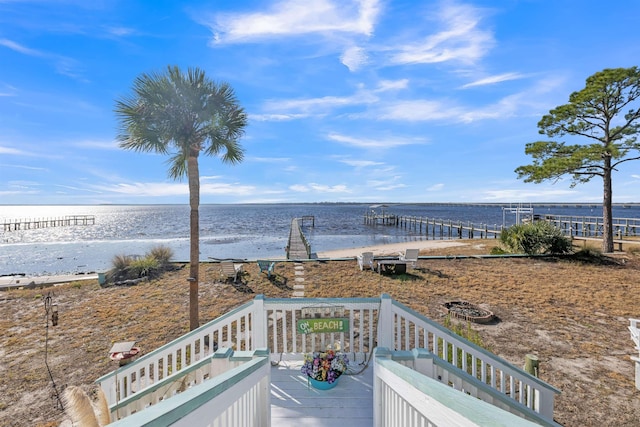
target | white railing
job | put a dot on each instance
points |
(404, 329)
(373, 322)
(424, 362)
(286, 343)
(635, 336)
(403, 398)
(223, 360)
(238, 397)
(236, 329)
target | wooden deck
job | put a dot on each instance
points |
(295, 403)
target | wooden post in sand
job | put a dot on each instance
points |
(531, 364)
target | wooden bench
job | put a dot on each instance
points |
(266, 267)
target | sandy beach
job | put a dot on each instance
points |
(19, 281)
(394, 249)
(391, 249)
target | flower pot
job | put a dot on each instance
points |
(323, 385)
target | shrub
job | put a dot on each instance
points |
(161, 253)
(496, 250)
(127, 267)
(119, 268)
(144, 267)
(467, 333)
(539, 237)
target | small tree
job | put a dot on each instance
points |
(603, 114)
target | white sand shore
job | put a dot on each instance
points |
(13, 282)
(390, 249)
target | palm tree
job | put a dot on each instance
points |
(183, 115)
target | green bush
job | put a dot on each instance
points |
(144, 267)
(127, 267)
(534, 238)
(162, 254)
(496, 250)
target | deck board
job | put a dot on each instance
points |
(295, 403)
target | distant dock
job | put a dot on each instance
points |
(31, 224)
(571, 226)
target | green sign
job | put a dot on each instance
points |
(324, 324)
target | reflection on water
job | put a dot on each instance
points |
(226, 231)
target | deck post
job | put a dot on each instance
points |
(385, 322)
(423, 361)
(259, 326)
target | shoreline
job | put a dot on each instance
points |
(20, 281)
(391, 249)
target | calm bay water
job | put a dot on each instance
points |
(226, 231)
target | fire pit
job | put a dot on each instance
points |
(467, 311)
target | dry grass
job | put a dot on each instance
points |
(572, 314)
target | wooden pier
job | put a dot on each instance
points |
(30, 224)
(449, 229)
(298, 246)
(591, 226)
(571, 226)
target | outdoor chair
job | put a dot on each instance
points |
(230, 270)
(266, 267)
(410, 256)
(365, 260)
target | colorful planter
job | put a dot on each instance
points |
(323, 385)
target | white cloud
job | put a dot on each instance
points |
(33, 168)
(163, 189)
(270, 159)
(317, 105)
(360, 163)
(120, 31)
(436, 187)
(15, 151)
(10, 44)
(147, 189)
(299, 188)
(390, 187)
(461, 39)
(388, 142)
(385, 85)
(297, 17)
(516, 195)
(418, 111)
(319, 188)
(63, 65)
(354, 58)
(226, 189)
(276, 117)
(100, 145)
(329, 188)
(490, 80)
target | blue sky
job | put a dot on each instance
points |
(348, 100)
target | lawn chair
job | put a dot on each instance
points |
(365, 260)
(410, 256)
(266, 267)
(230, 270)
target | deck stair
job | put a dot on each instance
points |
(419, 373)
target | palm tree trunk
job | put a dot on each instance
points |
(194, 253)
